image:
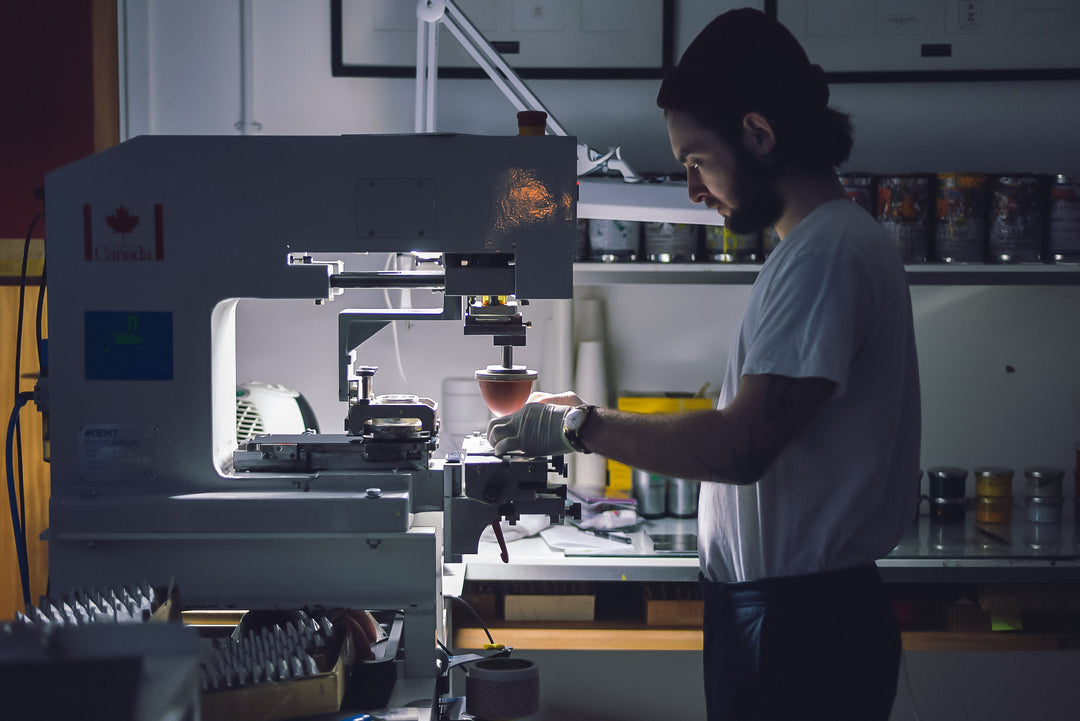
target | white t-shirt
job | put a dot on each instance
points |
(831, 302)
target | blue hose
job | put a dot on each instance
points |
(20, 539)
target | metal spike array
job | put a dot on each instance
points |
(124, 604)
(267, 655)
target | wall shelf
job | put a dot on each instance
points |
(742, 274)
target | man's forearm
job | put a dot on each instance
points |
(699, 445)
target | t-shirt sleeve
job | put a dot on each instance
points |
(813, 321)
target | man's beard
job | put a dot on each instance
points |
(760, 204)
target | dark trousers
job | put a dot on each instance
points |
(801, 648)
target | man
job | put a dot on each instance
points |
(809, 464)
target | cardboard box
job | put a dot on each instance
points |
(279, 700)
(618, 473)
(685, 614)
(549, 607)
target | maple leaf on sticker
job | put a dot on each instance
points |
(122, 221)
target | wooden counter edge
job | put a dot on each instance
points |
(690, 639)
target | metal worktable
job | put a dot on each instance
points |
(1017, 552)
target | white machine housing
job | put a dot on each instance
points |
(150, 246)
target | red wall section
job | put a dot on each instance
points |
(46, 101)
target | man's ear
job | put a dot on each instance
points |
(758, 134)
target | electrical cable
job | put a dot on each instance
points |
(42, 365)
(20, 496)
(472, 610)
(20, 537)
(391, 264)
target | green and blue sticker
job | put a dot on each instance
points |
(129, 345)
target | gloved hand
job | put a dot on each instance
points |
(536, 429)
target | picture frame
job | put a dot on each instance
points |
(936, 40)
(540, 39)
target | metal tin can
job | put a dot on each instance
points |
(1044, 482)
(650, 492)
(993, 510)
(904, 205)
(860, 188)
(1017, 219)
(682, 497)
(614, 241)
(724, 246)
(960, 231)
(1063, 236)
(670, 242)
(993, 482)
(947, 481)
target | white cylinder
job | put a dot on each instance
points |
(462, 412)
(590, 383)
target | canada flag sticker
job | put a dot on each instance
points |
(123, 234)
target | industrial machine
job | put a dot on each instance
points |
(151, 245)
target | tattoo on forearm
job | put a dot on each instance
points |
(744, 468)
(778, 399)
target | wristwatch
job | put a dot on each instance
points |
(573, 422)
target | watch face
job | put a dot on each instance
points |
(573, 418)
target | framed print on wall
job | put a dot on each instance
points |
(943, 40)
(567, 39)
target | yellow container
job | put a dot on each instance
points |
(618, 473)
(996, 509)
(993, 482)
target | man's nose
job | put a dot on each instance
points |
(696, 189)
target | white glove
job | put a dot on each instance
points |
(536, 429)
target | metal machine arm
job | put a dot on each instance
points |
(430, 14)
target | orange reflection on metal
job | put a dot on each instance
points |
(523, 199)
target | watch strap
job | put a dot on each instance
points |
(573, 434)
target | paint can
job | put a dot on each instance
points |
(670, 242)
(650, 492)
(724, 246)
(904, 205)
(1063, 236)
(960, 230)
(682, 497)
(1017, 219)
(614, 241)
(860, 188)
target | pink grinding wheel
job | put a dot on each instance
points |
(503, 397)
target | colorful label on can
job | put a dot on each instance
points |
(725, 246)
(903, 209)
(860, 189)
(960, 232)
(614, 240)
